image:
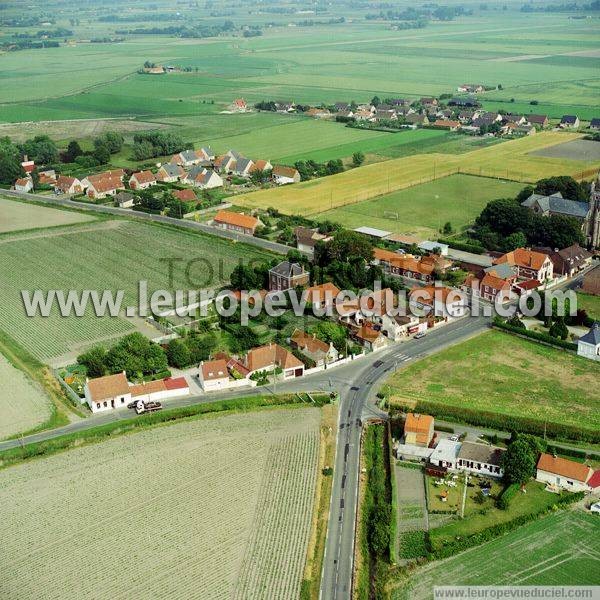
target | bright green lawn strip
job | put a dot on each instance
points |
(590, 303)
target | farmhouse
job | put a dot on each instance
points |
(271, 357)
(233, 221)
(261, 165)
(287, 275)
(100, 188)
(560, 473)
(538, 120)
(591, 282)
(24, 184)
(188, 158)
(238, 105)
(306, 239)
(418, 429)
(243, 167)
(142, 180)
(186, 195)
(283, 175)
(203, 178)
(322, 296)
(169, 173)
(569, 122)
(68, 185)
(445, 454)
(369, 337)
(318, 351)
(528, 264)
(213, 375)
(447, 124)
(114, 391)
(480, 459)
(568, 261)
(588, 345)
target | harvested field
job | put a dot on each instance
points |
(23, 405)
(17, 216)
(575, 150)
(561, 549)
(103, 257)
(512, 161)
(76, 128)
(218, 507)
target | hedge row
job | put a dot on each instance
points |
(535, 335)
(458, 545)
(464, 246)
(508, 493)
(493, 420)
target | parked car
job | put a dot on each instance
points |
(143, 407)
(132, 404)
(595, 508)
(420, 335)
(454, 438)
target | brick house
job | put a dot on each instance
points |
(528, 264)
(287, 275)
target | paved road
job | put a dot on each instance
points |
(124, 212)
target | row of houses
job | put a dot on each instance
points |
(420, 441)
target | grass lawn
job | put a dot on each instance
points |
(533, 500)
(590, 303)
(560, 549)
(501, 373)
(424, 209)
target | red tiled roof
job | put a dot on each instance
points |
(215, 369)
(144, 176)
(323, 292)
(564, 467)
(184, 195)
(176, 383)
(523, 258)
(237, 219)
(594, 480)
(282, 171)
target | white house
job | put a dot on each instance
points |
(67, 185)
(170, 172)
(203, 178)
(445, 454)
(213, 375)
(25, 184)
(142, 180)
(479, 459)
(114, 391)
(565, 474)
(588, 345)
(243, 167)
(443, 302)
(283, 175)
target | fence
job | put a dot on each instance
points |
(203, 211)
(69, 390)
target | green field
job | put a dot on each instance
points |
(423, 209)
(114, 255)
(590, 303)
(501, 373)
(561, 549)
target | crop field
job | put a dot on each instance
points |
(114, 255)
(17, 216)
(561, 549)
(217, 507)
(23, 405)
(575, 150)
(501, 373)
(511, 160)
(423, 209)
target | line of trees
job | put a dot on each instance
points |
(150, 144)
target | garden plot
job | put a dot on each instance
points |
(23, 405)
(217, 507)
(16, 216)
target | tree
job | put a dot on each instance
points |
(101, 154)
(447, 228)
(558, 329)
(515, 240)
(518, 462)
(178, 354)
(375, 101)
(244, 277)
(41, 149)
(136, 355)
(358, 158)
(10, 162)
(94, 361)
(200, 347)
(564, 184)
(516, 322)
(73, 151)
(112, 140)
(504, 216)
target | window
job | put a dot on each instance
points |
(105, 405)
(569, 482)
(122, 400)
(97, 404)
